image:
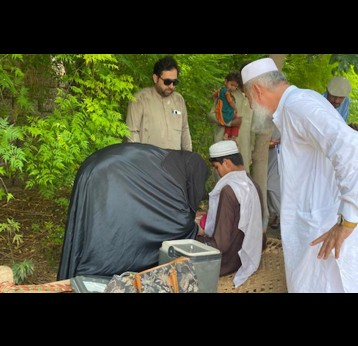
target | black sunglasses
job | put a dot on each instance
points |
(168, 81)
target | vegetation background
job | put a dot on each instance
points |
(57, 109)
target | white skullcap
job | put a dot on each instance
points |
(223, 148)
(339, 86)
(257, 68)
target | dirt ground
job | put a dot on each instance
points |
(41, 224)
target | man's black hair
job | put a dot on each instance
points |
(236, 159)
(167, 63)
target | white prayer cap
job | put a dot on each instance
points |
(223, 148)
(257, 68)
(339, 86)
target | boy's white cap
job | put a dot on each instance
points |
(257, 68)
(223, 148)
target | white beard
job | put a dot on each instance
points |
(261, 119)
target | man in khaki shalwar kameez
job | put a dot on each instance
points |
(158, 115)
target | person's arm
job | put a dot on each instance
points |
(231, 101)
(345, 109)
(186, 143)
(134, 119)
(273, 143)
(333, 239)
(236, 121)
(216, 94)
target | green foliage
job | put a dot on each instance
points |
(55, 233)
(35, 227)
(52, 243)
(139, 66)
(12, 79)
(86, 118)
(12, 158)
(341, 62)
(4, 193)
(353, 109)
(10, 231)
(345, 62)
(92, 98)
(22, 270)
(200, 75)
(62, 202)
(309, 72)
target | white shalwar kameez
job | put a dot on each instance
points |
(251, 225)
(319, 180)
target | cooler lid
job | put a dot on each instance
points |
(189, 248)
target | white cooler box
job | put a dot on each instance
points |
(206, 260)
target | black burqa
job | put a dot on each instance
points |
(127, 199)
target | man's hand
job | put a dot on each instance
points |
(333, 239)
(235, 122)
(273, 143)
(201, 232)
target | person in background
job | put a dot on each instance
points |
(158, 115)
(338, 89)
(273, 181)
(225, 109)
(234, 220)
(319, 181)
(253, 143)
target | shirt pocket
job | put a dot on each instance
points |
(176, 122)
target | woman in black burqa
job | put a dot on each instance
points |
(127, 199)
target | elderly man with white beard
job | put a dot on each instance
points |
(319, 181)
